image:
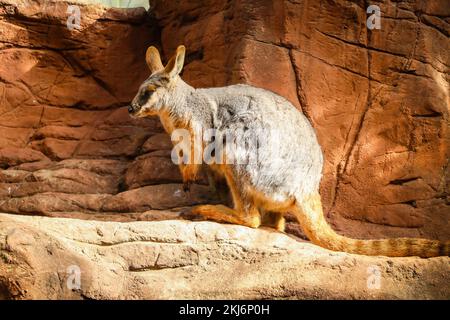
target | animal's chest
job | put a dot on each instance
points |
(167, 122)
(170, 124)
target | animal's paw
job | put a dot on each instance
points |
(189, 215)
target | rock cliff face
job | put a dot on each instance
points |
(379, 101)
(68, 146)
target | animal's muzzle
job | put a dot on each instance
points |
(133, 108)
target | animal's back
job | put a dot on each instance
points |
(288, 151)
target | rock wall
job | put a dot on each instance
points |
(68, 146)
(379, 101)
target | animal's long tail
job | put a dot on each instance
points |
(310, 215)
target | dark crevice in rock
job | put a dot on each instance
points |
(193, 56)
(399, 182)
(433, 114)
(411, 203)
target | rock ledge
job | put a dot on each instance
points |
(177, 259)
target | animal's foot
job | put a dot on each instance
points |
(187, 214)
(221, 213)
(280, 225)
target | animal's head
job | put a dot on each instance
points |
(156, 90)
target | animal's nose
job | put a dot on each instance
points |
(130, 109)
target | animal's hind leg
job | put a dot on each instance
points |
(244, 213)
(273, 211)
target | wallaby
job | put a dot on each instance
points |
(271, 186)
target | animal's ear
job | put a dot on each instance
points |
(153, 59)
(175, 64)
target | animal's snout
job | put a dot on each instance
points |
(133, 108)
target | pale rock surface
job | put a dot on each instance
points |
(177, 259)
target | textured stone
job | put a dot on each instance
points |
(63, 180)
(49, 203)
(163, 196)
(39, 258)
(377, 99)
(11, 156)
(160, 141)
(151, 170)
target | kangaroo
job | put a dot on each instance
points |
(267, 187)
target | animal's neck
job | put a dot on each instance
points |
(182, 108)
(177, 112)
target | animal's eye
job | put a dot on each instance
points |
(144, 97)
